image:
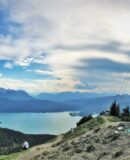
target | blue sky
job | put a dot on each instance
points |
(64, 45)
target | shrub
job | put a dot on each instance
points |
(125, 119)
(84, 119)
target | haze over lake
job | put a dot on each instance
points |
(39, 123)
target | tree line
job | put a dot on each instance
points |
(115, 110)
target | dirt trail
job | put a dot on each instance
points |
(31, 153)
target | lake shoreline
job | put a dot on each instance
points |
(39, 123)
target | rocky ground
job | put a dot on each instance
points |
(99, 139)
(101, 144)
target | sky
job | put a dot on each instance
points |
(65, 45)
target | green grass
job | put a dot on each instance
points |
(95, 122)
(85, 127)
(10, 157)
(13, 156)
(113, 119)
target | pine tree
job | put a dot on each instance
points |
(115, 109)
(126, 112)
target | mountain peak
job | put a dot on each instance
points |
(14, 94)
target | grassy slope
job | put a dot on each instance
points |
(93, 123)
(86, 127)
(9, 157)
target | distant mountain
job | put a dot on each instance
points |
(96, 105)
(14, 94)
(34, 105)
(63, 96)
(85, 103)
(20, 101)
(10, 140)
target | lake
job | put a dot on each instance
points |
(39, 123)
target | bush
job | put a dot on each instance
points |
(102, 113)
(125, 119)
(84, 119)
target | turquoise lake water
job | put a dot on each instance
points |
(39, 123)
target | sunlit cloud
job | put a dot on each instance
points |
(70, 37)
(36, 86)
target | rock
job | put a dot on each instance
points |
(90, 148)
(102, 155)
(78, 150)
(120, 128)
(116, 132)
(115, 137)
(45, 153)
(66, 148)
(110, 126)
(96, 130)
(97, 140)
(117, 154)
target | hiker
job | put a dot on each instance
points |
(25, 145)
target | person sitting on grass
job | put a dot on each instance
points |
(25, 145)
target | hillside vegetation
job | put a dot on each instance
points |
(10, 141)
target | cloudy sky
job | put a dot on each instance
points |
(64, 45)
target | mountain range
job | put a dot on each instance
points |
(63, 96)
(97, 105)
(85, 103)
(21, 101)
(88, 103)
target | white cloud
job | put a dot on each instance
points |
(37, 86)
(8, 65)
(47, 24)
(75, 22)
(41, 72)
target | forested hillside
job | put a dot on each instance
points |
(10, 141)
